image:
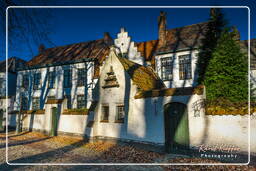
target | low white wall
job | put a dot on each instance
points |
(72, 123)
(75, 124)
(211, 130)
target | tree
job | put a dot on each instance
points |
(226, 76)
(215, 26)
(21, 21)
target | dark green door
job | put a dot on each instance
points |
(1, 118)
(176, 126)
(54, 126)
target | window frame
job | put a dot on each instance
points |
(37, 81)
(81, 77)
(79, 103)
(185, 67)
(2, 80)
(119, 119)
(67, 80)
(69, 103)
(24, 107)
(103, 117)
(25, 81)
(170, 67)
(33, 103)
(51, 79)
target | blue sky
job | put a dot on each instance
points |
(78, 25)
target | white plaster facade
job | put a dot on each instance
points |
(7, 103)
(59, 92)
(144, 118)
(176, 82)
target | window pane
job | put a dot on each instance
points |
(185, 67)
(37, 79)
(24, 103)
(105, 113)
(35, 104)
(81, 78)
(166, 68)
(25, 81)
(51, 79)
(69, 104)
(67, 78)
(120, 113)
(81, 101)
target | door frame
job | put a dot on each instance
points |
(169, 139)
(54, 121)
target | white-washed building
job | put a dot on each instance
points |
(143, 92)
(8, 77)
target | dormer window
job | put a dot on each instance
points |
(166, 68)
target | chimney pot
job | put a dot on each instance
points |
(108, 39)
(41, 48)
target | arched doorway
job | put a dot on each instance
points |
(176, 126)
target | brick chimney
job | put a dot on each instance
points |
(41, 48)
(162, 29)
(108, 39)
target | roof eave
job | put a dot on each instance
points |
(56, 64)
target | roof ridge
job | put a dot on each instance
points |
(71, 44)
(204, 22)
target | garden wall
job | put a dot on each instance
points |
(211, 130)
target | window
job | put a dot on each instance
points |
(35, 103)
(81, 77)
(51, 79)
(24, 103)
(81, 101)
(68, 98)
(105, 113)
(1, 83)
(67, 78)
(25, 81)
(120, 113)
(166, 68)
(185, 67)
(37, 79)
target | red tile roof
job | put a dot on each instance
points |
(92, 49)
(184, 37)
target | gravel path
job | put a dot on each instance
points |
(31, 147)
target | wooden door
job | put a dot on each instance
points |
(176, 126)
(54, 125)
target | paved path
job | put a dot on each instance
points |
(37, 148)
